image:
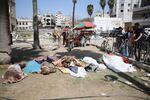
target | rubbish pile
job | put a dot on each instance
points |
(66, 64)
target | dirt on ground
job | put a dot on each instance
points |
(59, 86)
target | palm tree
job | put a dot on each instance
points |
(36, 44)
(90, 9)
(111, 5)
(5, 39)
(74, 2)
(103, 4)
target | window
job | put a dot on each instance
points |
(135, 5)
(121, 10)
(122, 5)
(128, 10)
(26, 23)
(129, 4)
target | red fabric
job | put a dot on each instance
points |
(126, 60)
(88, 24)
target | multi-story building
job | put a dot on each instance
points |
(48, 20)
(141, 13)
(67, 21)
(24, 24)
(124, 9)
(106, 24)
(61, 20)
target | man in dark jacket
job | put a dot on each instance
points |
(138, 32)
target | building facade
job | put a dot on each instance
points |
(124, 9)
(24, 24)
(106, 24)
(67, 21)
(48, 20)
(61, 20)
(141, 13)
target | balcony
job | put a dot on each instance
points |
(141, 8)
(143, 22)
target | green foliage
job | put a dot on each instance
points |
(90, 9)
(74, 1)
(111, 4)
(103, 3)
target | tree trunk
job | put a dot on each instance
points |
(73, 15)
(110, 13)
(103, 12)
(5, 49)
(36, 44)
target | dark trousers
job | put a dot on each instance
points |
(137, 50)
(64, 40)
(130, 49)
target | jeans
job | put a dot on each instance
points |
(137, 50)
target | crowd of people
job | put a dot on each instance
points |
(66, 34)
(132, 39)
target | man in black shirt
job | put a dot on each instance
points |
(138, 32)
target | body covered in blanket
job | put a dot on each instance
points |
(117, 64)
(71, 65)
(13, 74)
(47, 68)
(68, 61)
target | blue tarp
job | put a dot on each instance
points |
(32, 67)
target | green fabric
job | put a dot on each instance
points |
(80, 25)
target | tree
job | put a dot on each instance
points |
(5, 36)
(111, 5)
(103, 4)
(90, 9)
(36, 44)
(74, 2)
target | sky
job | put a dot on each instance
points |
(24, 7)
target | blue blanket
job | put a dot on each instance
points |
(32, 67)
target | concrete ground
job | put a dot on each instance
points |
(59, 86)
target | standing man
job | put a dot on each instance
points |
(65, 35)
(138, 32)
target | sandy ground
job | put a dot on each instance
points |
(59, 86)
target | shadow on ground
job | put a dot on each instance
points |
(25, 54)
(81, 53)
